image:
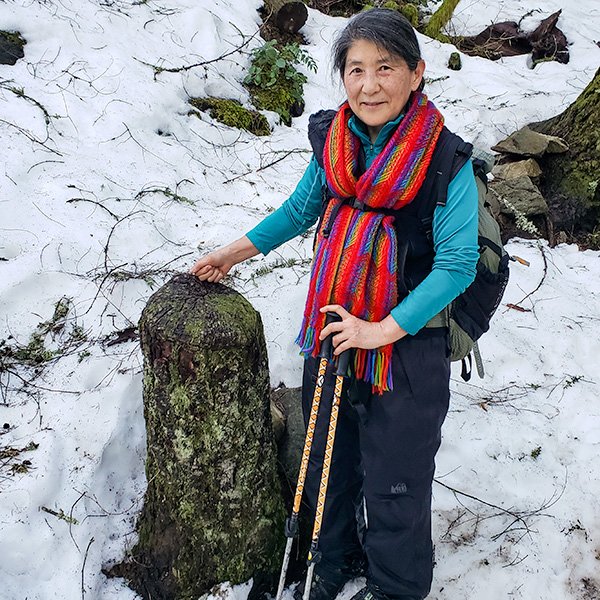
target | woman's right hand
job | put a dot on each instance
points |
(214, 266)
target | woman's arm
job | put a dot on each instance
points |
(456, 253)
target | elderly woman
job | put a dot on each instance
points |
(387, 270)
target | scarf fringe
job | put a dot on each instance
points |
(372, 366)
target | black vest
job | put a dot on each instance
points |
(413, 223)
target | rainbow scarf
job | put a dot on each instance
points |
(356, 264)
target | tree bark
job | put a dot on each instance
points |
(570, 181)
(272, 6)
(213, 511)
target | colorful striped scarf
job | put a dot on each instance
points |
(356, 264)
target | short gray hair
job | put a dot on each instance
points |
(387, 29)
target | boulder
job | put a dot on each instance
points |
(518, 195)
(11, 47)
(527, 142)
(528, 168)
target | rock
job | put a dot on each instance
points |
(292, 442)
(561, 238)
(11, 47)
(213, 510)
(519, 195)
(454, 62)
(278, 418)
(527, 142)
(529, 168)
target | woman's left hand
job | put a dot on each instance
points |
(352, 332)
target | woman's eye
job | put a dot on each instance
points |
(386, 68)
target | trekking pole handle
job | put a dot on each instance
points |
(327, 345)
(342, 364)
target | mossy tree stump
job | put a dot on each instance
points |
(213, 511)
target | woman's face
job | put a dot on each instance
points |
(378, 84)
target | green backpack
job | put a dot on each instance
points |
(468, 315)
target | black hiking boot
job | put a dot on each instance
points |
(321, 588)
(327, 584)
(372, 592)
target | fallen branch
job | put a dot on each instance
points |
(158, 70)
(516, 305)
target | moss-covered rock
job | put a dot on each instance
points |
(213, 510)
(233, 114)
(278, 98)
(454, 62)
(11, 47)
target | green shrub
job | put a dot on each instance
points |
(273, 81)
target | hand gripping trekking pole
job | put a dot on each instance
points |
(291, 524)
(314, 555)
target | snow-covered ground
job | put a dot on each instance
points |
(108, 183)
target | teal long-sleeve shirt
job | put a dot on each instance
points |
(454, 232)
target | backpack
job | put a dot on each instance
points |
(468, 315)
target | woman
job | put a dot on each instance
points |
(386, 279)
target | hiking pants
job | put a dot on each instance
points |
(379, 494)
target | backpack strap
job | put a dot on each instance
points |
(318, 127)
(454, 153)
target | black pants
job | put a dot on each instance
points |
(379, 494)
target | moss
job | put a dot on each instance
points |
(35, 353)
(233, 114)
(278, 98)
(13, 37)
(569, 181)
(440, 19)
(411, 12)
(454, 62)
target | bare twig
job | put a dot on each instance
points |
(267, 166)
(83, 567)
(110, 212)
(516, 304)
(31, 137)
(158, 70)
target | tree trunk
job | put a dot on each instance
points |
(273, 6)
(570, 181)
(213, 511)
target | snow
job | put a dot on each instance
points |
(121, 186)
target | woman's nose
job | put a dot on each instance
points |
(370, 83)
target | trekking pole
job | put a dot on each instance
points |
(291, 524)
(314, 555)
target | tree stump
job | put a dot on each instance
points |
(213, 511)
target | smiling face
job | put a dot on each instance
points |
(378, 84)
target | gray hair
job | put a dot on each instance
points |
(387, 29)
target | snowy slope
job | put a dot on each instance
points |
(109, 185)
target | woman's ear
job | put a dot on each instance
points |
(417, 75)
